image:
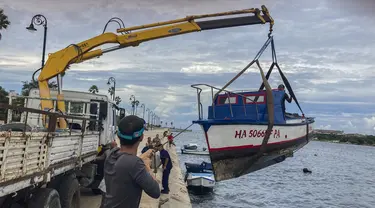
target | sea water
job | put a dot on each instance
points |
(343, 175)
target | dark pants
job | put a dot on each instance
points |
(171, 142)
(165, 180)
(103, 200)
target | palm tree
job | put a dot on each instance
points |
(94, 89)
(161, 123)
(134, 104)
(111, 91)
(118, 100)
(171, 124)
(4, 22)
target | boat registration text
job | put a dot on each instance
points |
(255, 133)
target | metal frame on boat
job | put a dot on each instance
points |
(248, 131)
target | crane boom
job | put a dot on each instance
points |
(59, 61)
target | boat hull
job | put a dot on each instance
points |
(200, 182)
(233, 146)
(194, 152)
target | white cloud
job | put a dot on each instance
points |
(370, 122)
(324, 126)
(324, 60)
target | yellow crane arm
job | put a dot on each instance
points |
(58, 62)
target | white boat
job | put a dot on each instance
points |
(200, 182)
(195, 152)
(250, 130)
(191, 146)
(199, 177)
(192, 149)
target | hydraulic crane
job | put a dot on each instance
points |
(59, 61)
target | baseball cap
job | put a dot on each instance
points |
(131, 127)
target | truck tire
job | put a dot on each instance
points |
(45, 198)
(69, 190)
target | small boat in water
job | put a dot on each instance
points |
(190, 146)
(199, 177)
(200, 182)
(249, 130)
(192, 149)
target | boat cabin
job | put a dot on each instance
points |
(242, 106)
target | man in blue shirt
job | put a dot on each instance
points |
(285, 97)
(167, 166)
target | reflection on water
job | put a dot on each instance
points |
(342, 176)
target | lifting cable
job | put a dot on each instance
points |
(252, 160)
(283, 77)
(180, 132)
(255, 60)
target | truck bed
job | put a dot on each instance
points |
(32, 157)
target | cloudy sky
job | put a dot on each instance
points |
(325, 48)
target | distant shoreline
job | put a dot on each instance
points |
(179, 130)
(364, 140)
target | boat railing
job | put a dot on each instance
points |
(199, 89)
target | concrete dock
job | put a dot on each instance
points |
(178, 195)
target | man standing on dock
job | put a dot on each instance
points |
(170, 140)
(127, 175)
(167, 166)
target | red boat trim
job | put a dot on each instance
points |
(248, 146)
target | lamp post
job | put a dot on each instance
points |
(40, 20)
(148, 117)
(144, 107)
(152, 120)
(132, 103)
(113, 90)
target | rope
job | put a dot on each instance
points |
(180, 133)
(258, 55)
(283, 77)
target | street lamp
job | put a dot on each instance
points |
(144, 107)
(113, 90)
(152, 120)
(148, 116)
(39, 20)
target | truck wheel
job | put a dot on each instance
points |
(70, 193)
(45, 198)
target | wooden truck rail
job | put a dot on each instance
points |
(30, 158)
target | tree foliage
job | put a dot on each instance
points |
(111, 91)
(347, 138)
(3, 99)
(4, 22)
(28, 85)
(94, 89)
(118, 100)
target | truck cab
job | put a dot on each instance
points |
(82, 104)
